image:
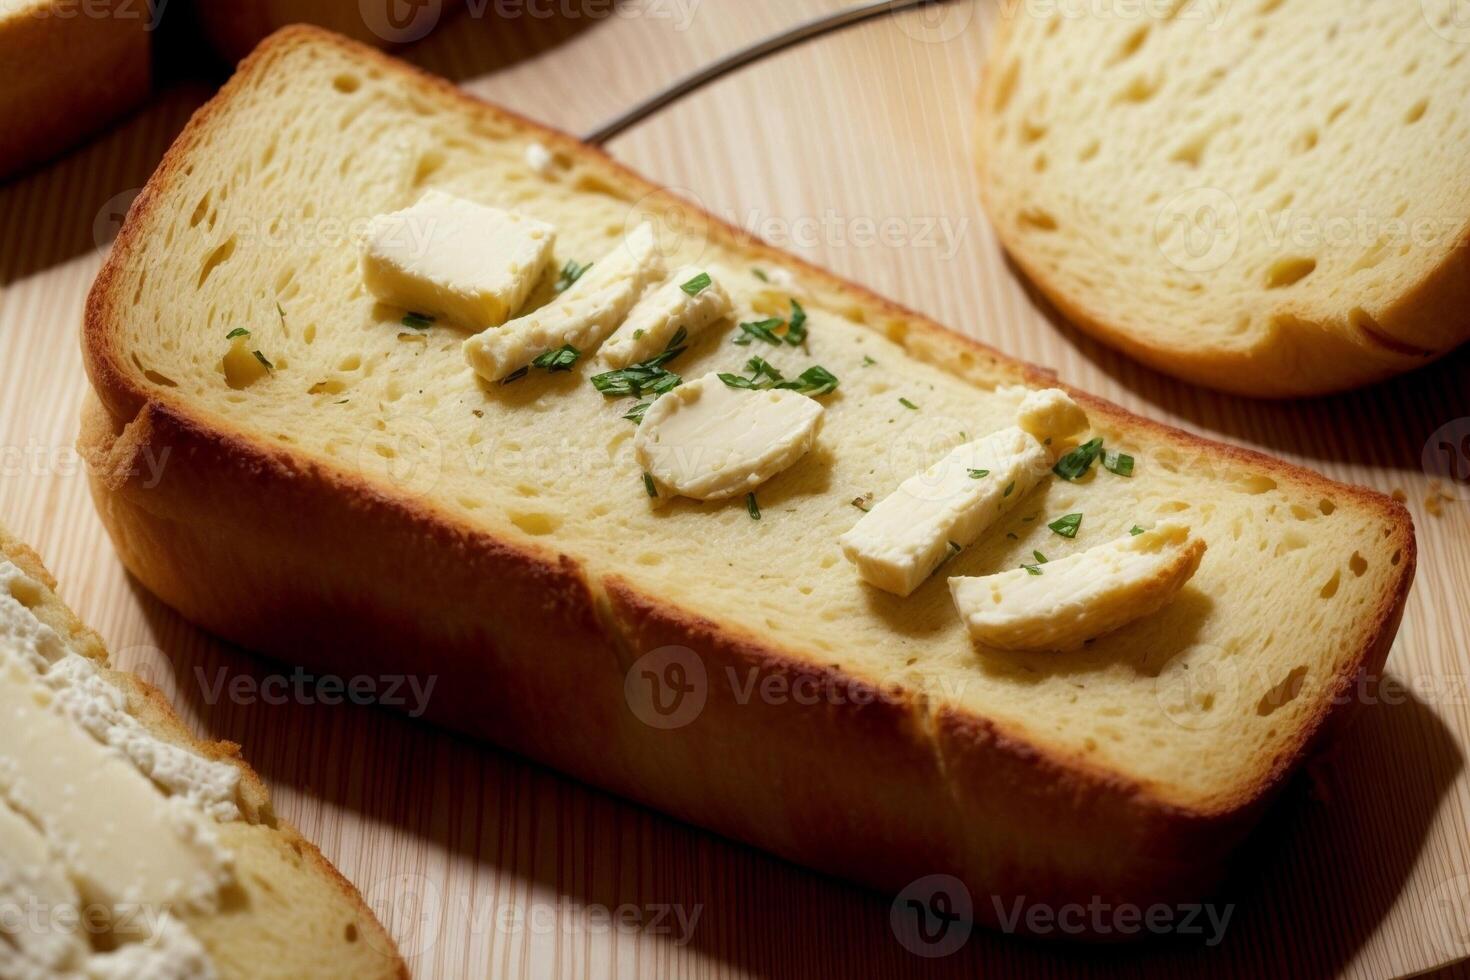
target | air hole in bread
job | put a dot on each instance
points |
(349, 363)
(1358, 564)
(535, 522)
(1283, 693)
(331, 386)
(1038, 219)
(1089, 151)
(1326, 506)
(349, 933)
(1256, 484)
(1306, 142)
(200, 210)
(1329, 588)
(1131, 44)
(346, 83)
(1289, 271)
(1416, 112)
(650, 558)
(217, 258)
(1337, 112)
(1005, 86)
(1396, 557)
(1291, 541)
(427, 165)
(1140, 89)
(309, 334)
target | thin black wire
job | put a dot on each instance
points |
(813, 28)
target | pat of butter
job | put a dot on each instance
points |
(907, 535)
(122, 839)
(654, 321)
(1062, 604)
(468, 262)
(582, 316)
(29, 877)
(901, 541)
(78, 767)
(709, 441)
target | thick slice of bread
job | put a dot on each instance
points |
(1269, 197)
(287, 912)
(66, 70)
(370, 502)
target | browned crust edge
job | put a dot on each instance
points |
(1270, 369)
(126, 395)
(152, 708)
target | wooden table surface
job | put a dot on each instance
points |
(853, 152)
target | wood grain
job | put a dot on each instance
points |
(485, 865)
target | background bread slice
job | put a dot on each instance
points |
(234, 28)
(68, 70)
(1271, 198)
(295, 915)
(531, 576)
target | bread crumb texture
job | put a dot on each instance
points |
(1268, 196)
(259, 228)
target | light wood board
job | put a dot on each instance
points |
(486, 865)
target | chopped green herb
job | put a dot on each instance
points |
(760, 274)
(1012, 536)
(1040, 558)
(1067, 525)
(1135, 530)
(1032, 569)
(868, 361)
(635, 414)
(647, 377)
(237, 332)
(261, 358)
(1077, 462)
(282, 314)
(638, 334)
(1119, 463)
(515, 376)
(752, 507)
(648, 485)
(796, 326)
(954, 549)
(908, 404)
(560, 359)
(697, 285)
(1009, 487)
(570, 273)
(342, 402)
(760, 330)
(418, 321)
(762, 375)
(815, 380)
(978, 474)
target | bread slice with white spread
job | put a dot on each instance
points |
(139, 850)
(1268, 197)
(371, 501)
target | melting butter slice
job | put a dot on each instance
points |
(1064, 603)
(680, 303)
(450, 257)
(708, 441)
(908, 534)
(582, 316)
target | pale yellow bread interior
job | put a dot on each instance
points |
(1267, 196)
(316, 137)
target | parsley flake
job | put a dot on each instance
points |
(1119, 463)
(908, 404)
(237, 332)
(978, 474)
(697, 285)
(752, 507)
(417, 321)
(559, 359)
(1067, 525)
(1077, 462)
(570, 273)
